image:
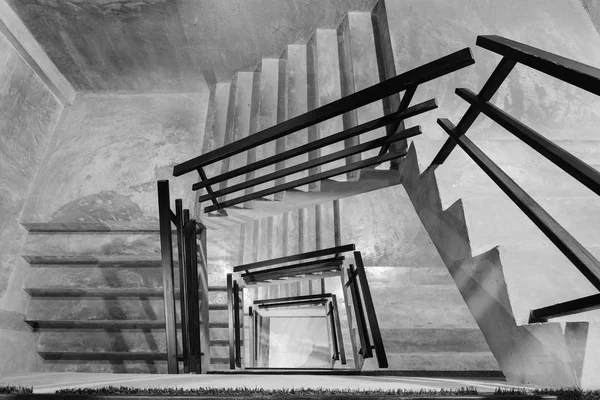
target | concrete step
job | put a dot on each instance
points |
(442, 361)
(434, 340)
(108, 366)
(238, 125)
(359, 70)
(216, 122)
(113, 244)
(323, 88)
(135, 341)
(265, 97)
(93, 277)
(97, 308)
(296, 86)
(104, 342)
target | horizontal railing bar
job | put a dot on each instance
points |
(294, 303)
(578, 74)
(261, 273)
(295, 257)
(416, 76)
(570, 307)
(326, 141)
(338, 155)
(309, 179)
(572, 165)
(294, 298)
(488, 90)
(583, 260)
(323, 267)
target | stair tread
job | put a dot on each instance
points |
(73, 292)
(107, 323)
(102, 355)
(154, 261)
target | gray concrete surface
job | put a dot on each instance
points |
(15, 31)
(171, 45)
(29, 112)
(50, 382)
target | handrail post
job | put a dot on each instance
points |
(230, 321)
(195, 299)
(183, 298)
(204, 311)
(371, 315)
(363, 333)
(166, 249)
(236, 311)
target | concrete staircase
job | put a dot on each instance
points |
(444, 300)
(501, 263)
(333, 63)
(97, 300)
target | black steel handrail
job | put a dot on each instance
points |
(407, 82)
(581, 75)
(399, 83)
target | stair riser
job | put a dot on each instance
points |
(108, 366)
(264, 115)
(150, 340)
(238, 125)
(359, 70)
(96, 244)
(323, 88)
(297, 103)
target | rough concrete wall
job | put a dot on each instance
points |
(109, 151)
(546, 104)
(28, 115)
(159, 45)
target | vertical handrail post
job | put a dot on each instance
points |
(204, 311)
(183, 289)
(230, 320)
(236, 308)
(190, 286)
(356, 356)
(338, 327)
(166, 249)
(361, 322)
(370, 308)
(195, 295)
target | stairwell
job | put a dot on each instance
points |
(445, 301)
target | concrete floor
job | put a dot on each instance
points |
(43, 382)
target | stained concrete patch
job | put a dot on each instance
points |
(104, 206)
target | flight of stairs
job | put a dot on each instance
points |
(425, 323)
(334, 63)
(97, 299)
(299, 231)
(412, 242)
(502, 263)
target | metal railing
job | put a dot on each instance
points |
(311, 265)
(407, 82)
(193, 303)
(567, 70)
